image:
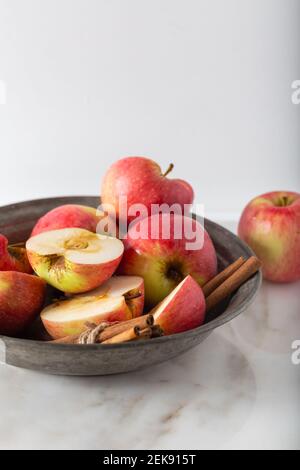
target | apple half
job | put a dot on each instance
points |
(74, 260)
(120, 298)
(183, 309)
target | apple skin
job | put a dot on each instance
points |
(270, 225)
(70, 277)
(13, 258)
(21, 300)
(141, 180)
(164, 263)
(183, 310)
(68, 216)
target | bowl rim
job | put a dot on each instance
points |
(221, 320)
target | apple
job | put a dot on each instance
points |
(141, 181)
(68, 216)
(270, 224)
(164, 260)
(13, 258)
(21, 300)
(74, 260)
(120, 298)
(183, 309)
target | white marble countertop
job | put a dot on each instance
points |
(238, 389)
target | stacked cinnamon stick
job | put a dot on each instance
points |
(215, 291)
(119, 332)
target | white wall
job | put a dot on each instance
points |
(205, 84)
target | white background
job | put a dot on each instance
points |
(205, 84)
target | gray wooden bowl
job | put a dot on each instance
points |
(16, 222)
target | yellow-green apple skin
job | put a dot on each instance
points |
(21, 300)
(68, 216)
(121, 298)
(165, 262)
(13, 258)
(141, 181)
(74, 260)
(270, 225)
(183, 309)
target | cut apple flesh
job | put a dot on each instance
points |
(74, 260)
(107, 303)
(118, 286)
(76, 245)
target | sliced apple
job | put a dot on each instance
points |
(120, 298)
(183, 309)
(74, 260)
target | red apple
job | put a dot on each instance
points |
(21, 300)
(183, 309)
(270, 224)
(68, 216)
(165, 259)
(120, 298)
(13, 258)
(141, 181)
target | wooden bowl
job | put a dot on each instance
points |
(17, 221)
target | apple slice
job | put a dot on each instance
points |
(74, 260)
(183, 309)
(120, 298)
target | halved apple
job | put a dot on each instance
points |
(74, 260)
(183, 309)
(120, 298)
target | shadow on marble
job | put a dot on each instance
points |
(183, 403)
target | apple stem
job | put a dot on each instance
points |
(284, 201)
(170, 168)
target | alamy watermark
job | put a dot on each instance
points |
(296, 92)
(296, 352)
(3, 92)
(159, 222)
(2, 352)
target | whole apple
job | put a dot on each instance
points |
(140, 181)
(165, 259)
(68, 216)
(21, 300)
(13, 258)
(270, 224)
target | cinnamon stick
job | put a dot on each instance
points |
(113, 330)
(125, 336)
(72, 339)
(146, 333)
(216, 281)
(141, 322)
(233, 282)
(157, 331)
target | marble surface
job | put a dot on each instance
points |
(238, 389)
